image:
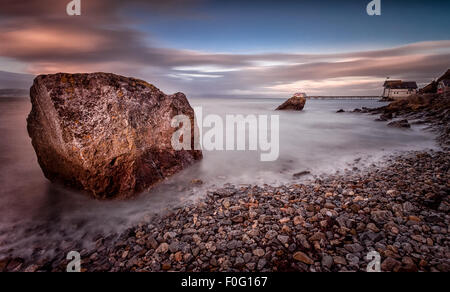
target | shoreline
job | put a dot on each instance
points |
(398, 207)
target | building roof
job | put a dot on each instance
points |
(391, 83)
(399, 84)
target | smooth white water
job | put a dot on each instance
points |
(35, 213)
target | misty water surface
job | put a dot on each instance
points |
(35, 213)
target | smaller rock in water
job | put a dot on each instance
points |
(302, 173)
(295, 103)
(340, 111)
(387, 116)
(400, 124)
(196, 182)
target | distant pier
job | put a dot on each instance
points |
(346, 97)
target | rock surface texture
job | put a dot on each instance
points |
(295, 103)
(106, 134)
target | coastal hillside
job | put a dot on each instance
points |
(432, 87)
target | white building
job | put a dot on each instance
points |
(398, 89)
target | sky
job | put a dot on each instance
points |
(231, 48)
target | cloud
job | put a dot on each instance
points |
(97, 8)
(41, 36)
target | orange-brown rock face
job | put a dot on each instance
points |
(295, 103)
(106, 134)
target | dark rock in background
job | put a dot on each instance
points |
(400, 124)
(295, 103)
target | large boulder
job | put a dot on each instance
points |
(106, 134)
(295, 103)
